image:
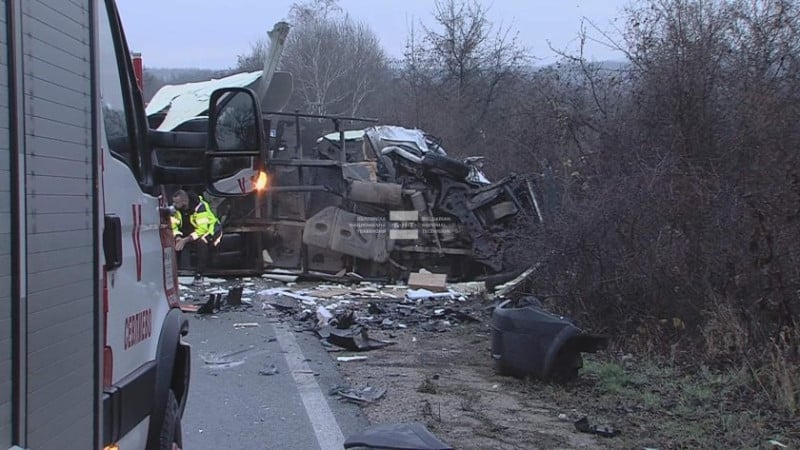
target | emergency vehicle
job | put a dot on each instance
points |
(91, 354)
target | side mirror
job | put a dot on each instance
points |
(235, 159)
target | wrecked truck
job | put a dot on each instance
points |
(378, 202)
(328, 197)
(375, 203)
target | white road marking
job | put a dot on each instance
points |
(329, 435)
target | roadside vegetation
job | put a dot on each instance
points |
(669, 183)
(657, 404)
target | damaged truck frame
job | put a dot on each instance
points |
(373, 203)
(379, 203)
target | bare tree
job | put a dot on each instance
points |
(462, 67)
(254, 59)
(337, 63)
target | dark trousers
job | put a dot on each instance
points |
(202, 252)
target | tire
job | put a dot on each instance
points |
(171, 433)
(447, 165)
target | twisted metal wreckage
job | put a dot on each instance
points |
(378, 202)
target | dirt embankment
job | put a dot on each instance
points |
(447, 381)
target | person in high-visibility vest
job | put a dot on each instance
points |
(195, 222)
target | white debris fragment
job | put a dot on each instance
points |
(280, 275)
(246, 325)
(505, 289)
(323, 316)
(469, 288)
(351, 358)
(306, 299)
(420, 294)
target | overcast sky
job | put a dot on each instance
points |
(211, 33)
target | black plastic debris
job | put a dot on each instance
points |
(366, 394)
(584, 426)
(373, 308)
(402, 436)
(234, 297)
(212, 305)
(354, 338)
(529, 341)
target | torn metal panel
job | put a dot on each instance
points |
(354, 339)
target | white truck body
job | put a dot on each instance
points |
(90, 349)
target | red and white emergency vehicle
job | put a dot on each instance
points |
(91, 354)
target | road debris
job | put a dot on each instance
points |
(363, 395)
(530, 341)
(424, 294)
(221, 362)
(584, 426)
(234, 297)
(402, 436)
(270, 370)
(212, 305)
(284, 291)
(281, 303)
(354, 338)
(323, 316)
(351, 358)
(431, 281)
(246, 325)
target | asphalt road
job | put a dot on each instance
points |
(232, 405)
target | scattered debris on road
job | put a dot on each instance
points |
(366, 394)
(270, 370)
(426, 280)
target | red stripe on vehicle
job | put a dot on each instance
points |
(137, 249)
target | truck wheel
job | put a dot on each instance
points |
(171, 435)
